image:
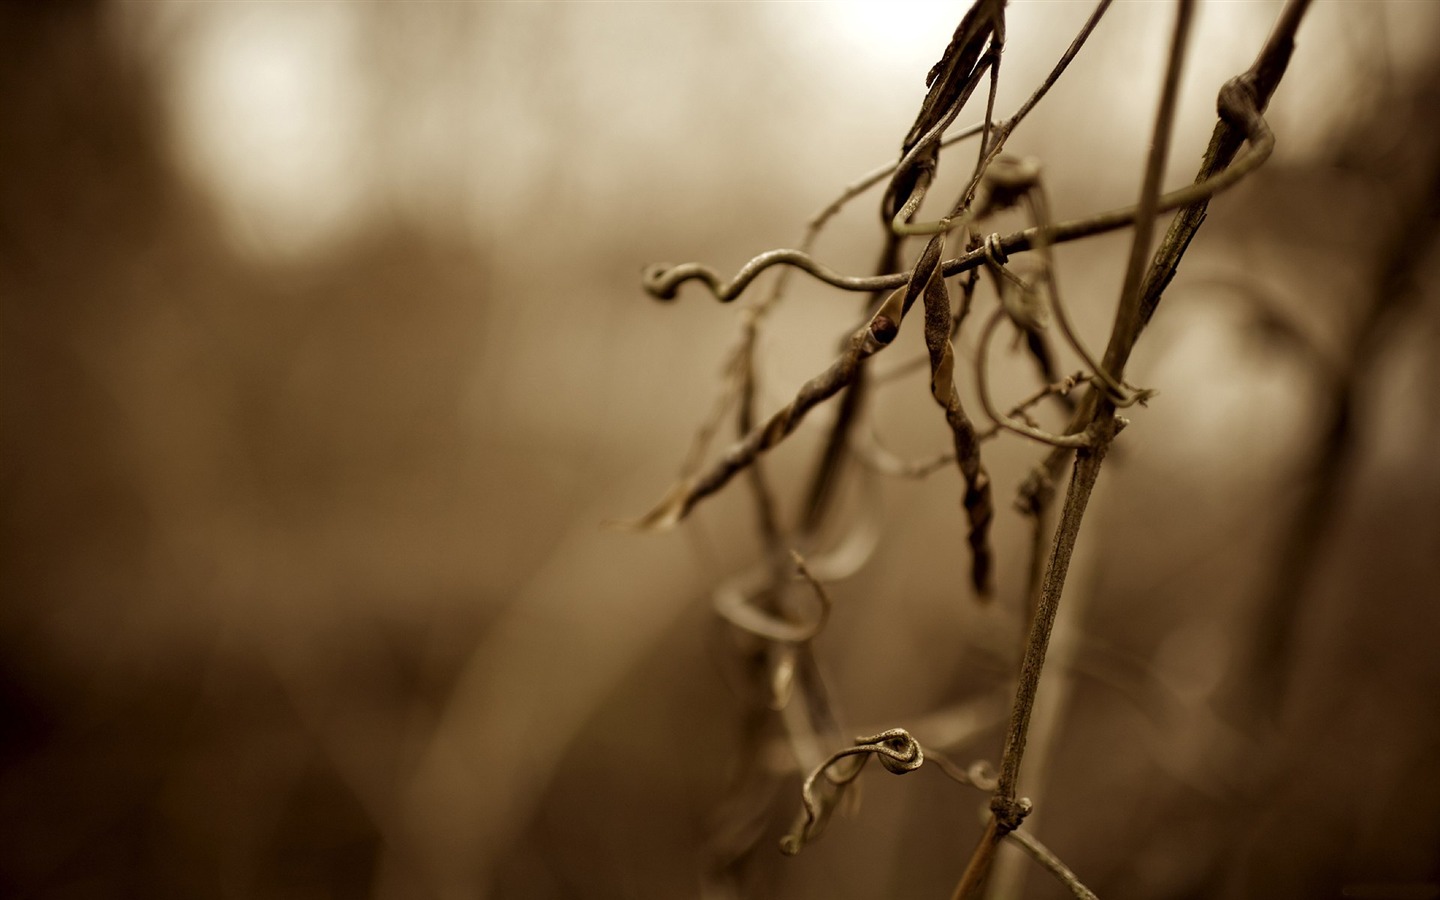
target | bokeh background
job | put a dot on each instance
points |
(323, 359)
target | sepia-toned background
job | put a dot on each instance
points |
(324, 362)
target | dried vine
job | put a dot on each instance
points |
(758, 604)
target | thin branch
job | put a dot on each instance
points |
(1241, 105)
(990, 151)
(900, 224)
(1087, 469)
(1238, 105)
(1040, 211)
(1127, 315)
(978, 775)
(996, 52)
(866, 341)
(853, 395)
(881, 459)
(1041, 854)
(859, 186)
(1055, 73)
(767, 516)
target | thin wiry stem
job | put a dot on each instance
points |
(1238, 102)
(767, 516)
(900, 223)
(1127, 316)
(1040, 211)
(866, 341)
(991, 149)
(1239, 107)
(982, 384)
(979, 775)
(876, 456)
(996, 52)
(741, 368)
(1041, 854)
(859, 186)
(1056, 72)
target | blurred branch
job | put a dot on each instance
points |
(1257, 686)
(1041, 854)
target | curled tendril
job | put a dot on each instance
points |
(1237, 105)
(663, 280)
(898, 753)
(982, 383)
(897, 750)
(735, 602)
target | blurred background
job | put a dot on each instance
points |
(324, 360)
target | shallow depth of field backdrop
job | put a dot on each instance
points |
(323, 358)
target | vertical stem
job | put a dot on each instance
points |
(1077, 499)
(1007, 810)
(1128, 321)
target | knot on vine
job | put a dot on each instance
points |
(898, 751)
(1239, 103)
(1009, 812)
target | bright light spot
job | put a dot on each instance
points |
(895, 30)
(270, 119)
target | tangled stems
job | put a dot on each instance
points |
(1241, 103)
(973, 52)
(663, 281)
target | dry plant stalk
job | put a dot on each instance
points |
(758, 604)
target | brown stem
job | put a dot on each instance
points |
(1052, 864)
